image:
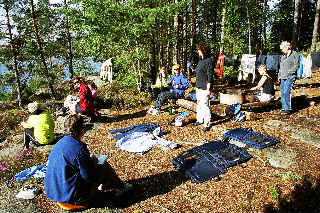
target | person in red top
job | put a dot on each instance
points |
(220, 64)
(86, 104)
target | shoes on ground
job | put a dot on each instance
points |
(286, 112)
(205, 129)
(153, 111)
(196, 123)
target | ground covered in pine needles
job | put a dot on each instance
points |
(257, 186)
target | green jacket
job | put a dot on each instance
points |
(43, 125)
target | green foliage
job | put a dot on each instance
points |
(9, 120)
(124, 97)
(230, 74)
(12, 166)
(275, 191)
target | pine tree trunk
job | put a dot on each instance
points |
(295, 22)
(70, 57)
(315, 28)
(42, 57)
(193, 27)
(14, 54)
(223, 22)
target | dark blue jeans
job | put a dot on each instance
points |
(164, 97)
(286, 90)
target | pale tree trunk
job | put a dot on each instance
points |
(315, 28)
(264, 33)
(42, 57)
(193, 27)
(14, 54)
(175, 30)
(249, 29)
(70, 57)
(223, 22)
(295, 22)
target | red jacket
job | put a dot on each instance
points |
(86, 100)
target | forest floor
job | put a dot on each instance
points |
(257, 186)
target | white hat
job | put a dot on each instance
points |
(34, 106)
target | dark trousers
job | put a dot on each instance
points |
(164, 97)
(29, 136)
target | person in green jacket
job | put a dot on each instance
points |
(39, 128)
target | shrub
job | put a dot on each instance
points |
(123, 97)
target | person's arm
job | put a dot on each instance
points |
(260, 83)
(86, 166)
(296, 63)
(28, 124)
(170, 80)
(210, 73)
(185, 83)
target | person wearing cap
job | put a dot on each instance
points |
(179, 83)
(73, 178)
(39, 128)
(289, 65)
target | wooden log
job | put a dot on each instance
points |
(219, 109)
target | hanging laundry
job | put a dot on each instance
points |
(273, 62)
(220, 65)
(248, 66)
(315, 60)
(262, 59)
(300, 70)
(307, 64)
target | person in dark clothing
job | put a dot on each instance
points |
(72, 176)
(204, 79)
(265, 85)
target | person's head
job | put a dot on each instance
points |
(73, 125)
(203, 50)
(163, 70)
(93, 85)
(285, 47)
(176, 69)
(33, 107)
(262, 69)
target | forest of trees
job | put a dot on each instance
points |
(42, 42)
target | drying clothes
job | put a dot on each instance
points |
(248, 66)
(315, 60)
(141, 138)
(220, 65)
(273, 62)
(300, 70)
(32, 172)
(134, 128)
(307, 64)
(262, 59)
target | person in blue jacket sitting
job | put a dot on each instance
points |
(73, 177)
(179, 83)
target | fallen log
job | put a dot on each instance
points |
(224, 109)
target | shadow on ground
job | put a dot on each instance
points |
(144, 188)
(304, 198)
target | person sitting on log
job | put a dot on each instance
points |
(179, 83)
(265, 86)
